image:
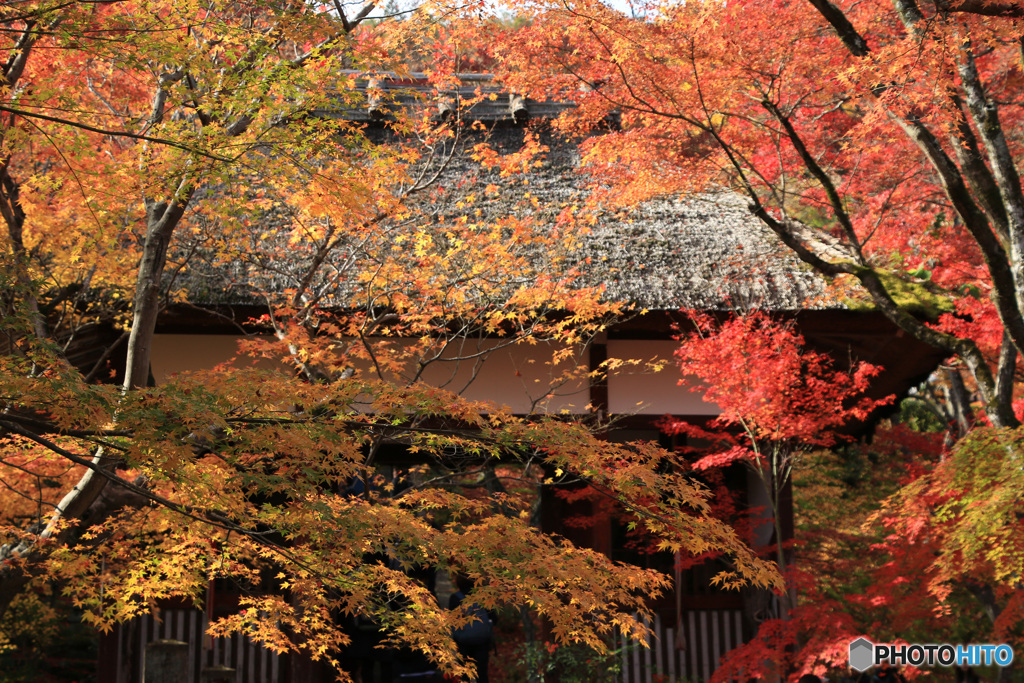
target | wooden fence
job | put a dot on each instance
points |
(252, 663)
(707, 635)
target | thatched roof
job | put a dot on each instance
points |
(705, 252)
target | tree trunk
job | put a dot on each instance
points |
(161, 220)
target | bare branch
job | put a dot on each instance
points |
(115, 133)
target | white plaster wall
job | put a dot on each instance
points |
(636, 390)
(514, 376)
(518, 377)
(174, 353)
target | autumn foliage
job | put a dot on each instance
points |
(767, 383)
(808, 123)
(779, 400)
(146, 146)
(881, 143)
(156, 153)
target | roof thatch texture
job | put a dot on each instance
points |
(704, 252)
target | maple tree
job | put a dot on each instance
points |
(880, 549)
(783, 407)
(780, 398)
(146, 143)
(706, 97)
(881, 143)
